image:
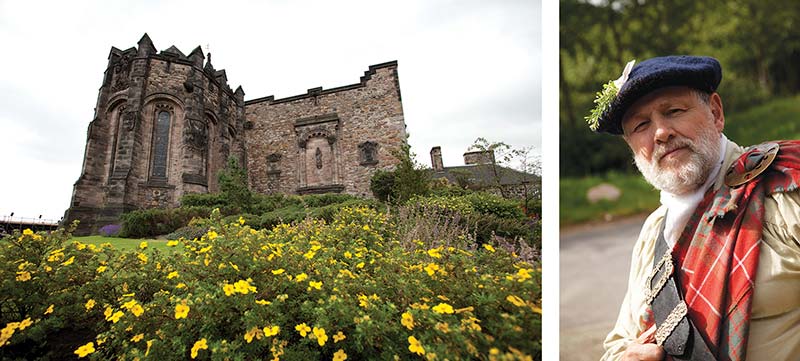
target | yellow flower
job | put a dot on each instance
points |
(321, 336)
(85, 350)
(253, 332)
(24, 324)
(271, 331)
(137, 310)
(339, 355)
(199, 345)
(116, 316)
(278, 271)
(229, 289)
(314, 284)
(149, 343)
(101, 269)
(6, 333)
(360, 265)
(407, 320)
(172, 243)
(366, 227)
(212, 235)
(69, 261)
(301, 277)
(338, 337)
(263, 302)
(303, 329)
(241, 220)
(49, 310)
(23, 276)
(443, 327)
(180, 285)
(129, 304)
(309, 254)
(172, 275)
(108, 312)
(244, 287)
(414, 346)
(27, 232)
(435, 253)
(489, 247)
(137, 338)
(515, 300)
(143, 245)
(431, 268)
(89, 304)
(348, 255)
(537, 309)
(181, 310)
(443, 308)
(142, 257)
(363, 300)
(524, 274)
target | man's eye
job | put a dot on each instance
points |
(641, 126)
(675, 111)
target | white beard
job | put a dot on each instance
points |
(686, 177)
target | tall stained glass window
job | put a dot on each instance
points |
(160, 143)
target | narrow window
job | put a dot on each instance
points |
(160, 143)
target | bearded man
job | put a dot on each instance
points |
(715, 273)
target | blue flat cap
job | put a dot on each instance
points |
(699, 72)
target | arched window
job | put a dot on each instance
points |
(160, 144)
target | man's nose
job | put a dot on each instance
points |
(664, 130)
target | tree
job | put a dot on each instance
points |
(507, 161)
(407, 179)
(234, 187)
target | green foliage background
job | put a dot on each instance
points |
(757, 43)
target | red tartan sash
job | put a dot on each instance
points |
(718, 253)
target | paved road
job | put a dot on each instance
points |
(594, 269)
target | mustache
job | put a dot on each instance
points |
(662, 149)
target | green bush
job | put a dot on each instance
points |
(188, 232)
(150, 223)
(490, 204)
(238, 293)
(263, 203)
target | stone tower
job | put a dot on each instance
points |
(164, 124)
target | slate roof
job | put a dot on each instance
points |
(483, 174)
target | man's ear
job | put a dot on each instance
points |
(715, 103)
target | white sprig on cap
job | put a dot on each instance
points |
(625, 73)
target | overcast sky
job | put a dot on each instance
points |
(467, 69)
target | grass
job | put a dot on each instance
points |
(124, 243)
(773, 120)
(637, 197)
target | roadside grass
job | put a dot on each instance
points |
(777, 119)
(125, 243)
(637, 197)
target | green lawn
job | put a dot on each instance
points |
(637, 197)
(124, 243)
(777, 119)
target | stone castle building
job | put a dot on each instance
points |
(165, 123)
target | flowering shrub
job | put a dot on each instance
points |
(344, 289)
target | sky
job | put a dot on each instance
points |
(467, 69)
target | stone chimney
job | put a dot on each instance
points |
(479, 157)
(436, 159)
